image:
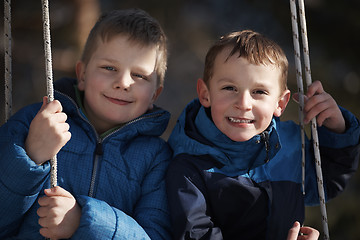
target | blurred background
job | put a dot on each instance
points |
(191, 27)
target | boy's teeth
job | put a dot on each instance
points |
(239, 120)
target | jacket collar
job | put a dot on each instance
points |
(196, 134)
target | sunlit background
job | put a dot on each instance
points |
(191, 27)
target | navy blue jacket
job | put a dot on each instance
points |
(221, 189)
(118, 180)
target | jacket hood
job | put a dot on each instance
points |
(152, 123)
(196, 134)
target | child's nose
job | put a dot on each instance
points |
(123, 81)
(243, 102)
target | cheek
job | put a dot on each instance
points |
(220, 102)
(265, 111)
(97, 84)
(218, 114)
(145, 93)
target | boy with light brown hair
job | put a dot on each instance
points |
(236, 172)
(105, 130)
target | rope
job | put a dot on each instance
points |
(299, 84)
(8, 66)
(306, 55)
(49, 77)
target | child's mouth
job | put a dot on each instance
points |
(240, 120)
(118, 101)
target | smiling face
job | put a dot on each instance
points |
(243, 97)
(119, 82)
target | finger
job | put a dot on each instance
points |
(66, 137)
(310, 231)
(57, 191)
(318, 104)
(314, 89)
(44, 103)
(45, 232)
(316, 111)
(309, 234)
(323, 116)
(294, 231)
(296, 98)
(60, 117)
(316, 99)
(61, 132)
(63, 127)
(42, 212)
(43, 201)
(65, 134)
(43, 221)
(53, 107)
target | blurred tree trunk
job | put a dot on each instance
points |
(86, 14)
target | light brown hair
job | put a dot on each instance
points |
(253, 46)
(139, 26)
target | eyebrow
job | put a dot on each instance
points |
(136, 68)
(261, 84)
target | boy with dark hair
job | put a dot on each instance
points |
(104, 128)
(236, 172)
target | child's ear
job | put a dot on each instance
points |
(203, 93)
(80, 74)
(283, 101)
(157, 93)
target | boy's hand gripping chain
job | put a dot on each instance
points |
(301, 102)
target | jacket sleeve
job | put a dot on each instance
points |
(21, 179)
(101, 221)
(188, 208)
(339, 159)
(150, 217)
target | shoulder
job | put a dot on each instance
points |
(25, 115)
(187, 164)
(287, 129)
(150, 144)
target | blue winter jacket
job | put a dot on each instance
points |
(221, 189)
(118, 180)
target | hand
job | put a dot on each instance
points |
(322, 105)
(309, 233)
(48, 132)
(59, 214)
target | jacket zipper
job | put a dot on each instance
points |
(265, 137)
(99, 151)
(98, 146)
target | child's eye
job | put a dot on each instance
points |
(229, 88)
(260, 92)
(136, 75)
(109, 68)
